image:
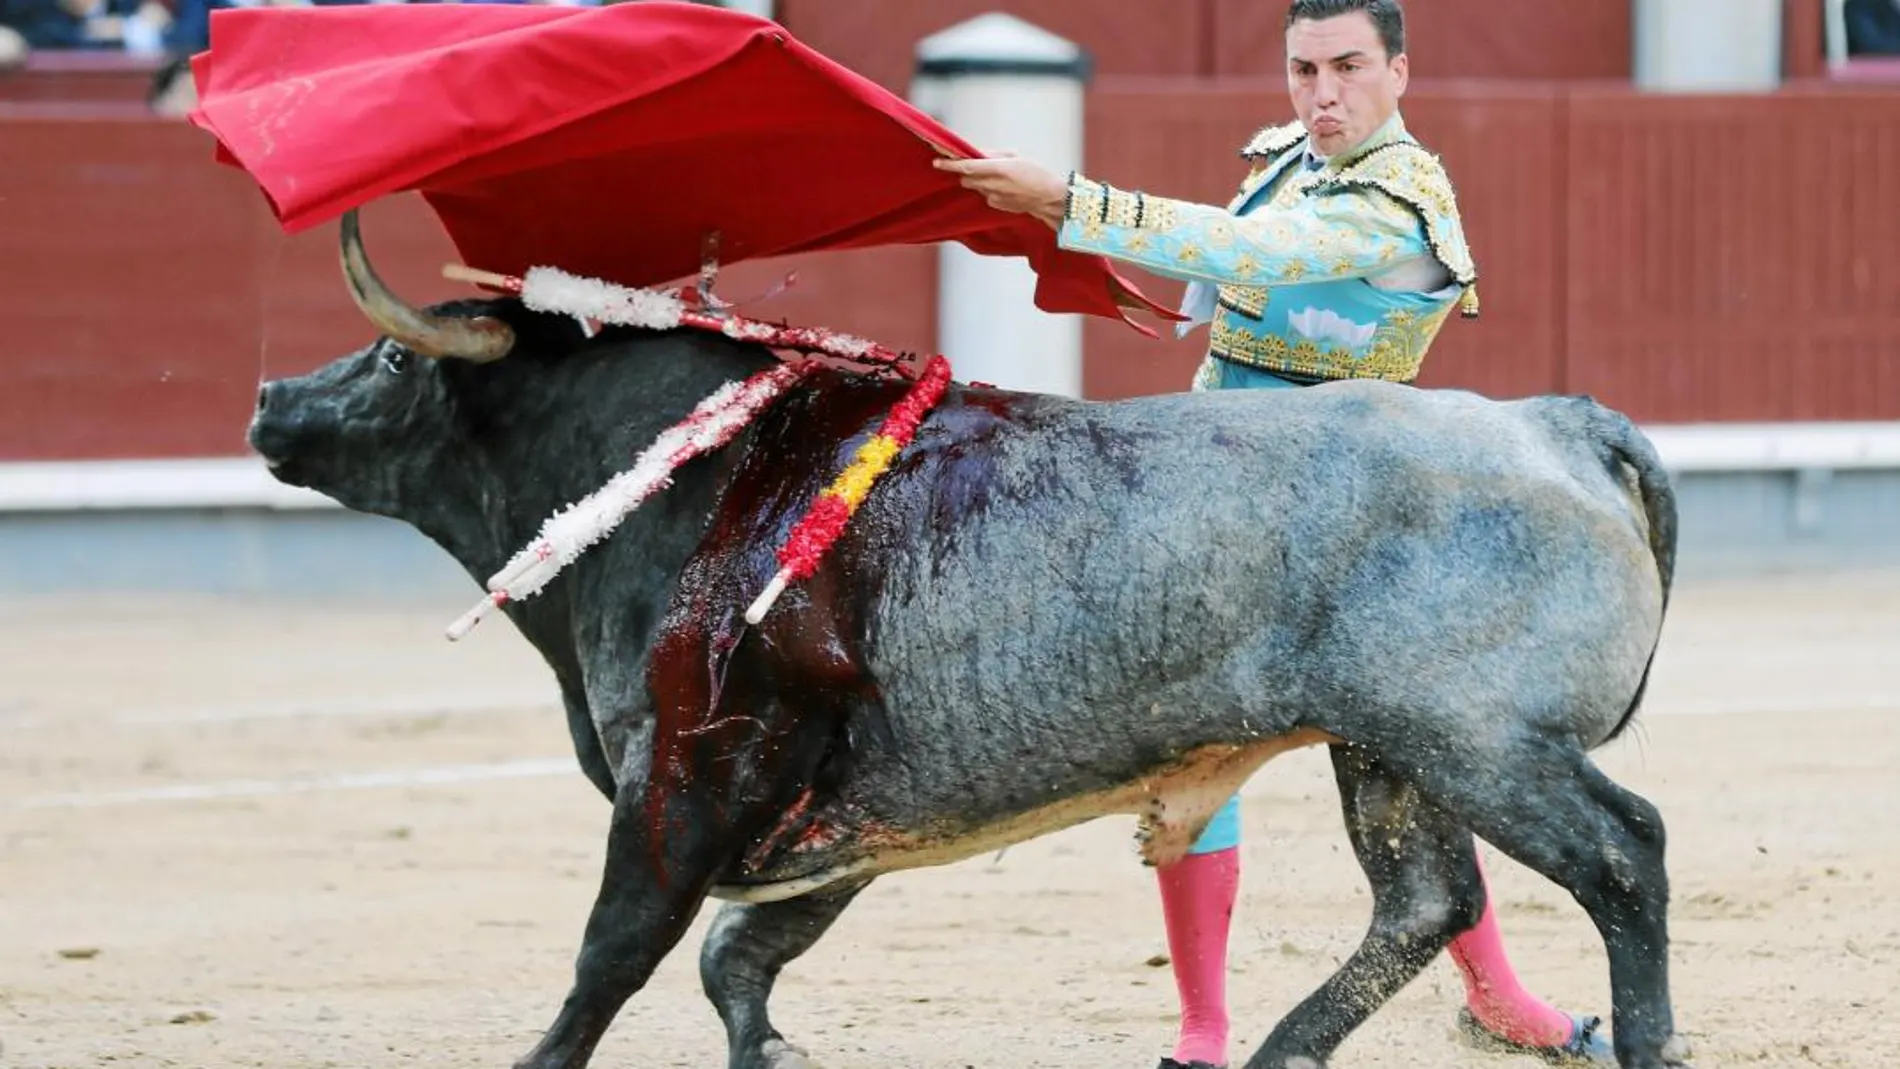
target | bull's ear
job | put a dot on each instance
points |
(481, 339)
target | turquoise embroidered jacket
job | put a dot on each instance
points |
(1291, 255)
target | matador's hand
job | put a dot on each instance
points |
(1011, 184)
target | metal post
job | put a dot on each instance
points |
(761, 8)
(1005, 86)
(1835, 25)
(1708, 46)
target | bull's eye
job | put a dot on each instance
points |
(395, 358)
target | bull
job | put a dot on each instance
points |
(1048, 611)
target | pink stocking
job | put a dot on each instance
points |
(1197, 901)
(1494, 993)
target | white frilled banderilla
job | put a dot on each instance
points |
(710, 426)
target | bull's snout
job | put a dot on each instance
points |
(271, 434)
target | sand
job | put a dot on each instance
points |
(223, 847)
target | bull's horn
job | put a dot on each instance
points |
(480, 339)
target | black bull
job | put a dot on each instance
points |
(1046, 612)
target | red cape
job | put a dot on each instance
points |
(604, 141)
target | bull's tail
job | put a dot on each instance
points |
(1628, 447)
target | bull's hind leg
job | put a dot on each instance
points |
(1426, 889)
(744, 951)
(1545, 804)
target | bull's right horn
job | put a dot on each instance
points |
(480, 339)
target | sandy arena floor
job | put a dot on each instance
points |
(247, 834)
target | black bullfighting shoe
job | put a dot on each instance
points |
(1170, 1063)
(1585, 1047)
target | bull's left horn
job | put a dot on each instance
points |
(480, 339)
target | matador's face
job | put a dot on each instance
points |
(1343, 83)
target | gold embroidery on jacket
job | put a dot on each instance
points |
(1397, 350)
(1413, 177)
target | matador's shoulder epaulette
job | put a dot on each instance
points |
(1413, 176)
(1272, 141)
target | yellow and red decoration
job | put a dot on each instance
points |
(805, 547)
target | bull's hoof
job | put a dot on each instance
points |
(1585, 1047)
(1676, 1053)
(778, 1054)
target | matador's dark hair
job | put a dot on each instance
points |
(1385, 14)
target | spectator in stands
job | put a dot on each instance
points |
(1873, 27)
(13, 49)
(173, 93)
(136, 26)
(192, 31)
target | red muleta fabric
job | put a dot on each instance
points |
(605, 141)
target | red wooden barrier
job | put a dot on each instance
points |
(878, 38)
(1520, 40)
(80, 76)
(148, 289)
(1731, 258)
(1803, 39)
(1685, 258)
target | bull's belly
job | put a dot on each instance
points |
(836, 845)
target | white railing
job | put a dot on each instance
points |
(1835, 13)
(1834, 446)
(194, 483)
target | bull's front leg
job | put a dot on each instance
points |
(656, 876)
